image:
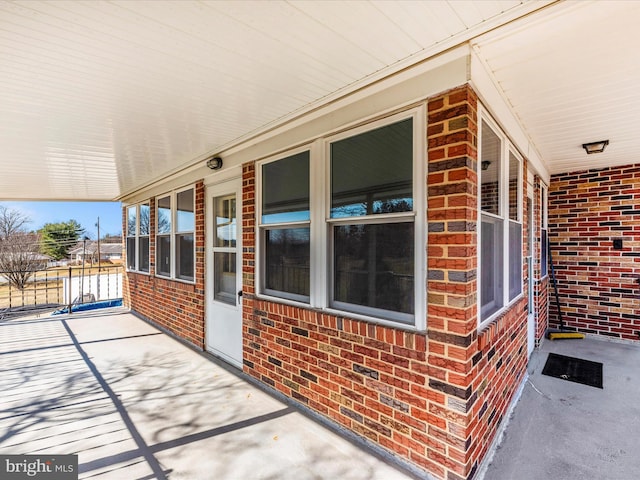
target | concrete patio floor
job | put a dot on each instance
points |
(562, 430)
(134, 403)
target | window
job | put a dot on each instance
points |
(138, 217)
(351, 240)
(185, 228)
(175, 231)
(492, 228)
(544, 239)
(285, 227)
(501, 222)
(515, 226)
(163, 237)
(372, 237)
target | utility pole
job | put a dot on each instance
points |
(98, 225)
(98, 277)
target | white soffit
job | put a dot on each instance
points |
(571, 74)
(99, 98)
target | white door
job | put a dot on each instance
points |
(531, 318)
(224, 271)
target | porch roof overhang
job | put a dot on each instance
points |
(98, 100)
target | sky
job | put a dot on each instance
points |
(85, 213)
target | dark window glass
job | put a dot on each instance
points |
(163, 262)
(374, 267)
(544, 250)
(372, 173)
(285, 189)
(131, 253)
(514, 181)
(490, 171)
(143, 261)
(287, 260)
(491, 268)
(515, 260)
(184, 256)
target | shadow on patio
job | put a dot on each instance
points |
(134, 403)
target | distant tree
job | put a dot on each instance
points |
(59, 238)
(19, 248)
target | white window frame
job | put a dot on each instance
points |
(136, 236)
(507, 147)
(159, 235)
(174, 233)
(262, 228)
(320, 222)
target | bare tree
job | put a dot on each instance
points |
(19, 249)
(11, 221)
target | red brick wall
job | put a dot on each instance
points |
(435, 399)
(498, 363)
(382, 382)
(174, 305)
(596, 282)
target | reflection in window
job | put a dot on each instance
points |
(131, 237)
(285, 189)
(490, 173)
(163, 237)
(374, 266)
(286, 246)
(491, 268)
(225, 211)
(225, 277)
(501, 223)
(185, 217)
(138, 218)
(184, 256)
(372, 173)
(287, 261)
(164, 215)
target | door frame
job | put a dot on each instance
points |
(220, 185)
(531, 287)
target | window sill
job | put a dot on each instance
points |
(343, 314)
(138, 272)
(486, 323)
(172, 279)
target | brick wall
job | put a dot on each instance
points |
(596, 282)
(382, 382)
(434, 399)
(174, 305)
(498, 363)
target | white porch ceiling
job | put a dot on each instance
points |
(98, 98)
(571, 76)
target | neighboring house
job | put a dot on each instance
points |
(111, 252)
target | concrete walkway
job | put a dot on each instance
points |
(134, 403)
(562, 430)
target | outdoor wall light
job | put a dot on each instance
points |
(214, 163)
(595, 147)
(485, 164)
